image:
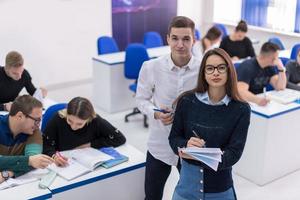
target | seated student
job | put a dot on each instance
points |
(256, 73)
(293, 73)
(211, 40)
(78, 126)
(13, 166)
(237, 44)
(212, 114)
(20, 137)
(13, 78)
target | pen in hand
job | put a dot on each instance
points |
(197, 136)
(161, 110)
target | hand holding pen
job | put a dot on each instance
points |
(60, 160)
(164, 115)
(196, 141)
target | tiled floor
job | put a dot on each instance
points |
(286, 188)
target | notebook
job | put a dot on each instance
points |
(80, 161)
(285, 96)
(209, 156)
(117, 157)
(29, 177)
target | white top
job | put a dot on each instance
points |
(160, 83)
(204, 97)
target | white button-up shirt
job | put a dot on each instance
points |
(160, 83)
(203, 97)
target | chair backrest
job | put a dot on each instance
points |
(284, 60)
(197, 34)
(107, 44)
(223, 29)
(152, 39)
(276, 40)
(135, 55)
(294, 52)
(49, 113)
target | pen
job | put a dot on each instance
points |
(161, 110)
(265, 92)
(197, 136)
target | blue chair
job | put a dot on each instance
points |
(152, 39)
(276, 40)
(197, 34)
(106, 45)
(223, 29)
(236, 65)
(284, 60)
(135, 55)
(295, 50)
(49, 113)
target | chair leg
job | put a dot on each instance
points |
(134, 112)
(145, 121)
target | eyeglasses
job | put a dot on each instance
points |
(221, 68)
(37, 121)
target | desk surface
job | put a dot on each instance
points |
(26, 191)
(136, 160)
(119, 57)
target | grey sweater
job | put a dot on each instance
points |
(293, 75)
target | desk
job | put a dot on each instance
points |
(110, 87)
(26, 191)
(272, 147)
(124, 181)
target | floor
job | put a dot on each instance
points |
(286, 188)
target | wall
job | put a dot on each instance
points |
(56, 37)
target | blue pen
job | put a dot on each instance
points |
(161, 110)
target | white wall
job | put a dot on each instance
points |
(56, 37)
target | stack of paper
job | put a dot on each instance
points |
(209, 156)
(285, 96)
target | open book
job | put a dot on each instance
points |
(285, 96)
(117, 157)
(209, 156)
(80, 161)
(29, 177)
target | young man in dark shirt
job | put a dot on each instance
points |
(256, 73)
(13, 78)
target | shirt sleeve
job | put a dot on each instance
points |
(17, 164)
(145, 89)
(290, 66)
(244, 73)
(50, 138)
(250, 48)
(28, 83)
(34, 143)
(177, 137)
(232, 152)
(106, 134)
(2, 107)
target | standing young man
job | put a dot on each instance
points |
(21, 139)
(160, 82)
(13, 78)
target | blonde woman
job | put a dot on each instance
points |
(78, 126)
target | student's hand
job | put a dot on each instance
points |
(262, 101)
(60, 160)
(84, 146)
(40, 161)
(10, 173)
(7, 106)
(235, 58)
(195, 142)
(277, 62)
(165, 118)
(44, 92)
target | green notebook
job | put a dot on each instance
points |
(118, 158)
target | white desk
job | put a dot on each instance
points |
(110, 87)
(272, 147)
(124, 181)
(26, 191)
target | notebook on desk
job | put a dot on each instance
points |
(117, 157)
(80, 161)
(285, 96)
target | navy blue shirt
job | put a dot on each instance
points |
(241, 49)
(256, 77)
(221, 126)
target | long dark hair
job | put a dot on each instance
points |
(202, 85)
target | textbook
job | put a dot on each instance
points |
(209, 156)
(285, 96)
(29, 177)
(80, 162)
(117, 157)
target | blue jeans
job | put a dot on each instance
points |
(190, 186)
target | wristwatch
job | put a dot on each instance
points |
(282, 70)
(5, 175)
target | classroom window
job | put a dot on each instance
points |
(228, 11)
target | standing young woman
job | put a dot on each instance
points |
(78, 126)
(215, 113)
(237, 44)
